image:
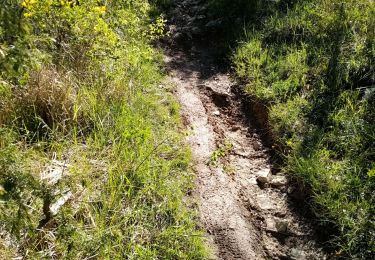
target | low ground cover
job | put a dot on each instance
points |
(91, 159)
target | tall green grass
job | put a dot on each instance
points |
(81, 83)
(312, 64)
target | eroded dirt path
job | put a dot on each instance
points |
(243, 207)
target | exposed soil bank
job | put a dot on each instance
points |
(243, 206)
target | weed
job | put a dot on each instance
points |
(221, 152)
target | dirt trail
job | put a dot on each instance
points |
(243, 207)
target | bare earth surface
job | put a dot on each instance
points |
(243, 207)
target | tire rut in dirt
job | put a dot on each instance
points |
(243, 203)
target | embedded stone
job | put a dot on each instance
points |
(297, 254)
(262, 176)
(216, 113)
(281, 225)
(278, 181)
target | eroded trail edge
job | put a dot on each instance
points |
(243, 207)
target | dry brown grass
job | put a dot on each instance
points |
(45, 103)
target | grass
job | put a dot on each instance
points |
(88, 96)
(312, 64)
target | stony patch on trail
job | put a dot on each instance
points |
(243, 206)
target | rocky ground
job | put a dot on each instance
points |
(244, 204)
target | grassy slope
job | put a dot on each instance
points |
(81, 83)
(312, 64)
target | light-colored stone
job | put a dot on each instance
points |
(216, 113)
(264, 202)
(278, 181)
(276, 225)
(270, 224)
(262, 179)
(297, 254)
(262, 176)
(263, 172)
(253, 181)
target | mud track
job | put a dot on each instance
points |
(243, 206)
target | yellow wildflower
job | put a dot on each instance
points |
(100, 9)
(28, 3)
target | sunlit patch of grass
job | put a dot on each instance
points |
(312, 63)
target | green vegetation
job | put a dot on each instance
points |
(80, 83)
(312, 63)
(221, 152)
(81, 96)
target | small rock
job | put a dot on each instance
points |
(276, 225)
(270, 224)
(253, 181)
(235, 128)
(281, 225)
(262, 176)
(264, 202)
(216, 113)
(263, 172)
(297, 254)
(262, 179)
(279, 181)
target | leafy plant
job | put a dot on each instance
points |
(220, 152)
